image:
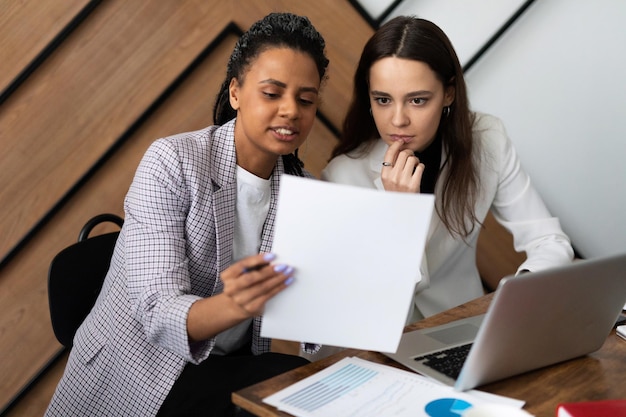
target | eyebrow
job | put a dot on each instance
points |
(411, 94)
(283, 85)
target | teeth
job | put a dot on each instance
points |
(282, 131)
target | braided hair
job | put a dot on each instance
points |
(274, 30)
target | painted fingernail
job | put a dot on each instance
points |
(280, 267)
(269, 257)
(288, 271)
(288, 281)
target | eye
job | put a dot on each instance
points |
(306, 102)
(419, 101)
(382, 100)
(270, 95)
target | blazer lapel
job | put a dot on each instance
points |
(267, 236)
(224, 183)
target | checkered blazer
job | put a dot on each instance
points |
(177, 237)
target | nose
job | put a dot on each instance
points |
(399, 117)
(289, 108)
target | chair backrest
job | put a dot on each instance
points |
(76, 275)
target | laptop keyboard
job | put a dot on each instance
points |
(449, 362)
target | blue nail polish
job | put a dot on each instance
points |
(269, 257)
(280, 267)
(288, 271)
(288, 281)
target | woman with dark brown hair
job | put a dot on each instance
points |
(409, 128)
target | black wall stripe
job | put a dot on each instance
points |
(48, 50)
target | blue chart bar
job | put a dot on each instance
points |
(330, 388)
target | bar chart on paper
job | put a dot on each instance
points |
(358, 388)
(330, 388)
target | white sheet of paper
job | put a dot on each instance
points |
(356, 387)
(357, 254)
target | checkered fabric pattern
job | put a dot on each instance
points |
(177, 237)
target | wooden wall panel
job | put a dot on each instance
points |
(87, 94)
(495, 255)
(26, 28)
(68, 115)
(24, 301)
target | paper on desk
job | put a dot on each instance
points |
(357, 254)
(360, 388)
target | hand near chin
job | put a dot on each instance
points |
(402, 170)
(252, 281)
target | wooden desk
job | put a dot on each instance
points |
(600, 375)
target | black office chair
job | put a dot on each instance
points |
(76, 275)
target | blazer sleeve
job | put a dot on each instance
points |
(521, 210)
(158, 277)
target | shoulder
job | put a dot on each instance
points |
(487, 125)
(498, 157)
(211, 148)
(490, 135)
(190, 144)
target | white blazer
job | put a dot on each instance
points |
(449, 273)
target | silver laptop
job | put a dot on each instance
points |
(534, 320)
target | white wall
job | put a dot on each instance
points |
(558, 80)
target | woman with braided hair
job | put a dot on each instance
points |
(176, 327)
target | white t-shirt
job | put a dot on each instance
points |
(253, 204)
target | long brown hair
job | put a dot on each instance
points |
(421, 40)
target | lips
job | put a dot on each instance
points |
(285, 133)
(401, 138)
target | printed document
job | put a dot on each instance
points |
(360, 388)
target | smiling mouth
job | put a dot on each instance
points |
(285, 132)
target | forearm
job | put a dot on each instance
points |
(212, 315)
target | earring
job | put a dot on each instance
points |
(446, 111)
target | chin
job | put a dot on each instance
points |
(286, 148)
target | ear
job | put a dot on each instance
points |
(233, 93)
(449, 96)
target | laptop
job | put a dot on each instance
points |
(534, 320)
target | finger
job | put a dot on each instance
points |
(410, 164)
(256, 306)
(391, 154)
(261, 285)
(256, 262)
(258, 279)
(406, 157)
(416, 178)
(268, 288)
